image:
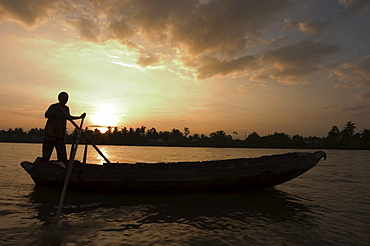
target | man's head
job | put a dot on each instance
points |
(63, 97)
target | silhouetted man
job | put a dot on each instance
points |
(55, 128)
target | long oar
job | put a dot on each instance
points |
(87, 137)
(69, 172)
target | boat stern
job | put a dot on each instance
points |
(50, 173)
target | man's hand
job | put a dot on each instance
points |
(83, 116)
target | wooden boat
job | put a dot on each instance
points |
(203, 176)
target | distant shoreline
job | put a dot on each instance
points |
(142, 136)
(193, 146)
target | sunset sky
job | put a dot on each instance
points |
(298, 67)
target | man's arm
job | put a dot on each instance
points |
(75, 117)
(65, 110)
(78, 117)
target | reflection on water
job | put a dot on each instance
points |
(100, 158)
(144, 215)
(269, 204)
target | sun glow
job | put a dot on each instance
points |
(106, 115)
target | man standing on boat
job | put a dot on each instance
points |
(55, 128)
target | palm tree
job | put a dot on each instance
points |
(348, 131)
(350, 127)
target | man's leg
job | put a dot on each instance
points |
(47, 148)
(61, 150)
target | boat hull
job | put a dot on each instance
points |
(207, 176)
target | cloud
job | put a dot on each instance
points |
(351, 109)
(355, 74)
(26, 12)
(211, 37)
(210, 66)
(363, 96)
(355, 6)
(248, 87)
(121, 30)
(87, 29)
(224, 26)
(291, 63)
(261, 76)
(147, 60)
(312, 27)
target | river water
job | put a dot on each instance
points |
(328, 205)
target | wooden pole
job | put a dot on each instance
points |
(69, 171)
(85, 151)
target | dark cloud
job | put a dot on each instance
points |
(26, 12)
(223, 26)
(210, 66)
(295, 61)
(355, 6)
(121, 30)
(303, 53)
(87, 29)
(150, 19)
(216, 33)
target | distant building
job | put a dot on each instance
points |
(158, 141)
(314, 142)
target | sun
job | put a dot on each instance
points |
(106, 115)
(102, 129)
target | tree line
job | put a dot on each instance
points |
(346, 138)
